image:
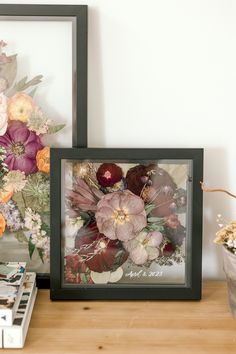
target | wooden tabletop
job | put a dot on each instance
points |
(133, 326)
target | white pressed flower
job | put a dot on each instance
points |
(40, 240)
(15, 181)
(73, 225)
(32, 220)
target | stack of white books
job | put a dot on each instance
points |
(17, 297)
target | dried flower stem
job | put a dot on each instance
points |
(205, 189)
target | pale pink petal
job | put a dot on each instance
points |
(155, 239)
(152, 252)
(130, 245)
(139, 255)
(124, 232)
(115, 201)
(3, 119)
(104, 213)
(107, 228)
(133, 203)
(3, 129)
(138, 221)
(141, 236)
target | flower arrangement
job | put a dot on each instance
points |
(120, 217)
(226, 236)
(24, 160)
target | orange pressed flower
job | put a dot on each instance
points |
(2, 225)
(43, 160)
(5, 195)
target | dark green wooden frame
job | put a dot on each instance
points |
(117, 291)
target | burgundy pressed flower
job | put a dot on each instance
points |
(141, 176)
(154, 185)
(21, 146)
(75, 263)
(99, 253)
(168, 249)
(108, 174)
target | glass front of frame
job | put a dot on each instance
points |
(126, 222)
(37, 66)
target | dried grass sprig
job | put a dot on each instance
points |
(205, 189)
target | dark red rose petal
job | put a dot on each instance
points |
(100, 253)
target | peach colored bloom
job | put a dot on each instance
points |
(43, 160)
(5, 195)
(121, 215)
(2, 225)
(20, 107)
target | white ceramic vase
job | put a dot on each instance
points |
(230, 272)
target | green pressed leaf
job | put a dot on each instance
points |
(85, 216)
(83, 278)
(40, 251)
(9, 70)
(149, 208)
(154, 227)
(22, 85)
(55, 128)
(32, 92)
(155, 219)
(20, 202)
(31, 247)
(46, 228)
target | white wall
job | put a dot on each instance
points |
(163, 74)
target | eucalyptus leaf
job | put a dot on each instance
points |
(8, 71)
(154, 219)
(149, 208)
(31, 247)
(40, 252)
(55, 128)
(32, 92)
(22, 85)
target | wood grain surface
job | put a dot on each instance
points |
(133, 326)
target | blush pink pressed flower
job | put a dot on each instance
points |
(144, 247)
(120, 215)
(82, 197)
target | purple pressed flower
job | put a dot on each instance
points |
(21, 146)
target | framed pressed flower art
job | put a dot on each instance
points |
(43, 104)
(126, 223)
